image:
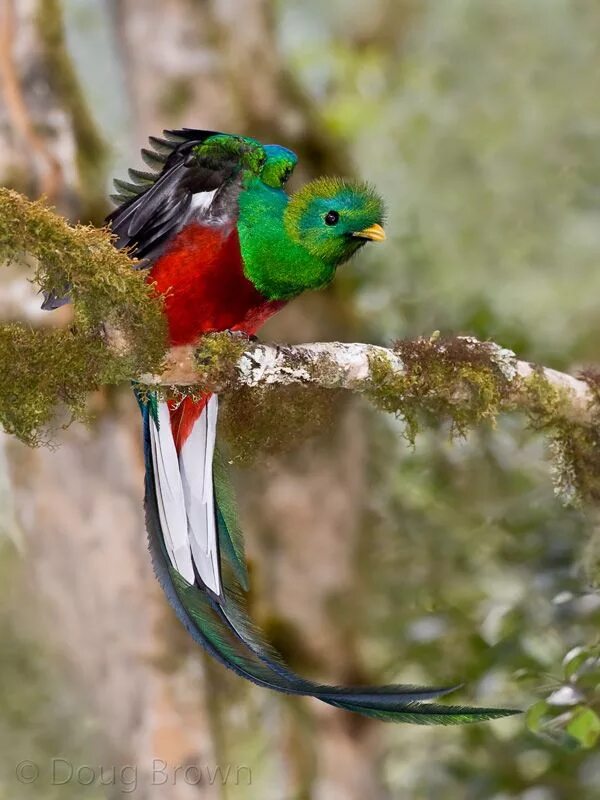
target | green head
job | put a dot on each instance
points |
(293, 244)
(332, 218)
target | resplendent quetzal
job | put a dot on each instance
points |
(227, 248)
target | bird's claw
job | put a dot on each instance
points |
(241, 336)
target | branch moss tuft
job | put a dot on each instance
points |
(444, 378)
(575, 448)
(41, 368)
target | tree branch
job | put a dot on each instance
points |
(120, 333)
(459, 379)
(462, 365)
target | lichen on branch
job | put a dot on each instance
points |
(42, 368)
(459, 379)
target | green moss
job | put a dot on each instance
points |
(546, 404)
(265, 419)
(592, 378)
(577, 463)
(443, 379)
(43, 368)
(462, 381)
(275, 419)
(38, 369)
(456, 379)
(575, 448)
(216, 358)
(262, 420)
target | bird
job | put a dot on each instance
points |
(226, 247)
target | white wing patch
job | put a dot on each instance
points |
(169, 494)
(202, 201)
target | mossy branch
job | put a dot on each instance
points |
(43, 368)
(119, 335)
(460, 379)
(453, 372)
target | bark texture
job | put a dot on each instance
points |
(353, 366)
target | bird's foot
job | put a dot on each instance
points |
(241, 336)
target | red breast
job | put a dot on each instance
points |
(202, 278)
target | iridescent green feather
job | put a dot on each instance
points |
(231, 538)
(219, 634)
(432, 713)
(237, 641)
(248, 152)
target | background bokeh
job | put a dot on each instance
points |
(371, 560)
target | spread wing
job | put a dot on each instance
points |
(195, 175)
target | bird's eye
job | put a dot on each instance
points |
(332, 218)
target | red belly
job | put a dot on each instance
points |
(202, 279)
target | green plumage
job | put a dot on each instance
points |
(271, 163)
(286, 243)
(238, 642)
(433, 714)
(231, 538)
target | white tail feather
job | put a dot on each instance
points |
(184, 492)
(169, 494)
(195, 466)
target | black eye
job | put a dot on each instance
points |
(332, 218)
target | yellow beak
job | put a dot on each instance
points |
(374, 232)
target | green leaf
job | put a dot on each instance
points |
(585, 727)
(574, 659)
(535, 715)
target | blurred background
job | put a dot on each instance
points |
(371, 561)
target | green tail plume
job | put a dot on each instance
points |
(224, 629)
(231, 538)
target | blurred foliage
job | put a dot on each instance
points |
(480, 130)
(479, 123)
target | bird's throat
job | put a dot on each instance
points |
(278, 266)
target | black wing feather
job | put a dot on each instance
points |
(154, 206)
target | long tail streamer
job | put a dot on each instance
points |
(218, 621)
